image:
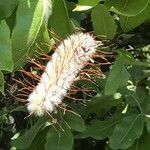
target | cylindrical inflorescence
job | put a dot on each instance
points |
(61, 71)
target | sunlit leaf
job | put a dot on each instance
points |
(102, 21)
(6, 62)
(129, 23)
(88, 2)
(127, 7)
(59, 22)
(31, 16)
(86, 5)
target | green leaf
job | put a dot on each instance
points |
(118, 77)
(6, 8)
(25, 140)
(146, 105)
(102, 21)
(43, 42)
(128, 59)
(137, 73)
(142, 143)
(148, 123)
(6, 62)
(129, 129)
(88, 2)
(59, 140)
(1, 82)
(74, 121)
(100, 129)
(100, 104)
(127, 7)
(86, 5)
(129, 23)
(60, 25)
(135, 98)
(39, 141)
(88, 84)
(30, 18)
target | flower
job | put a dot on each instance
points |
(61, 71)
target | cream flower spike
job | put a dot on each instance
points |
(67, 61)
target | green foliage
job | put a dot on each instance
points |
(29, 135)
(85, 5)
(130, 22)
(129, 129)
(88, 2)
(1, 82)
(25, 33)
(6, 62)
(5, 48)
(61, 139)
(75, 122)
(60, 25)
(148, 124)
(100, 104)
(127, 7)
(118, 114)
(39, 141)
(118, 77)
(142, 143)
(102, 21)
(100, 129)
(7, 8)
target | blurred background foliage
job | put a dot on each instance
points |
(118, 114)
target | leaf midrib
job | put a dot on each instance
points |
(128, 129)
